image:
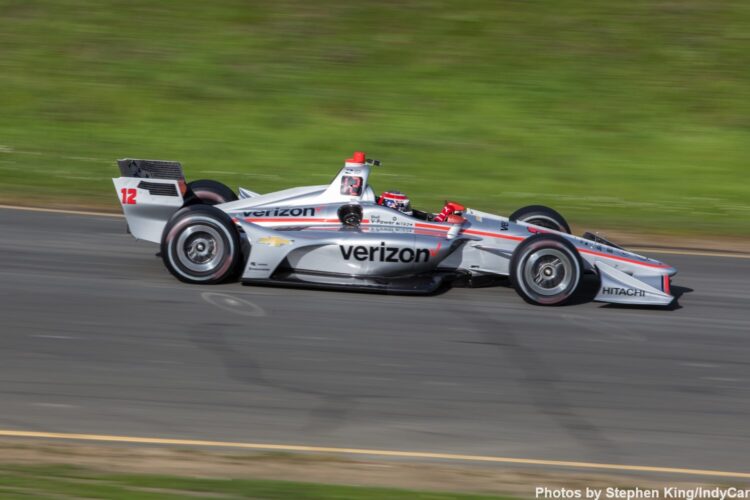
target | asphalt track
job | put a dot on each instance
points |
(97, 338)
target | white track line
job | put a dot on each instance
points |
(380, 453)
(60, 211)
(699, 253)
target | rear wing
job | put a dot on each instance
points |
(150, 191)
(151, 169)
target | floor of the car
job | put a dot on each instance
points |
(410, 285)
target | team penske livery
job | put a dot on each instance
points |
(344, 236)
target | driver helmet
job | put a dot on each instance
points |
(396, 200)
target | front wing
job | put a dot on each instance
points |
(618, 287)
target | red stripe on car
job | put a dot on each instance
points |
(494, 235)
(623, 259)
(289, 219)
(437, 227)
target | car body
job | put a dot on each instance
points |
(299, 237)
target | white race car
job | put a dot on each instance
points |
(341, 235)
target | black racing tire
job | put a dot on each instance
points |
(201, 245)
(539, 215)
(546, 269)
(211, 192)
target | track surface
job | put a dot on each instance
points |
(98, 338)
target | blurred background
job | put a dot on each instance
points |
(620, 114)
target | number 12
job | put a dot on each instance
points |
(128, 196)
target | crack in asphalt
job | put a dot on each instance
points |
(330, 414)
(540, 381)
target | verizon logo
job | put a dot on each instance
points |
(384, 253)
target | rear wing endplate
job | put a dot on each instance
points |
(150, 191)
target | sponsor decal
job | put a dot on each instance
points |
(398, 229)
(274, 241)
(390, 220)
(282, 212)
(601, 248)
(384, 253)
(503, 226)
(630, 292)
(598, 247)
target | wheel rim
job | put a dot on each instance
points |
(200, 248)
(548, 272)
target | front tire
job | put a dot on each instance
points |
(539, 215)
(200, 244)
(546, 270)
(211, 192)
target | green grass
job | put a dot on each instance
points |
(620, 114)
(73, 482)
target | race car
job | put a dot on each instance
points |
(342, 236)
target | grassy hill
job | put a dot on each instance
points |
(619, 114)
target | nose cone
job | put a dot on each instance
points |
(657, 265)
(665, 268)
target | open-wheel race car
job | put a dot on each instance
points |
(343, 236)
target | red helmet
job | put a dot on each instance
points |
(396, 200)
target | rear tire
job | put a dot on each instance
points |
(211, 192)
(546, 270)
(539, 215)
(200, 244)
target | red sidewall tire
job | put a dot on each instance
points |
(556, 248)
(211, 192)
(210, 230)
(541, 216)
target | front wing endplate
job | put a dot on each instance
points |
(620, 288)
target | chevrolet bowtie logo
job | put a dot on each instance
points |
(274, 241)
